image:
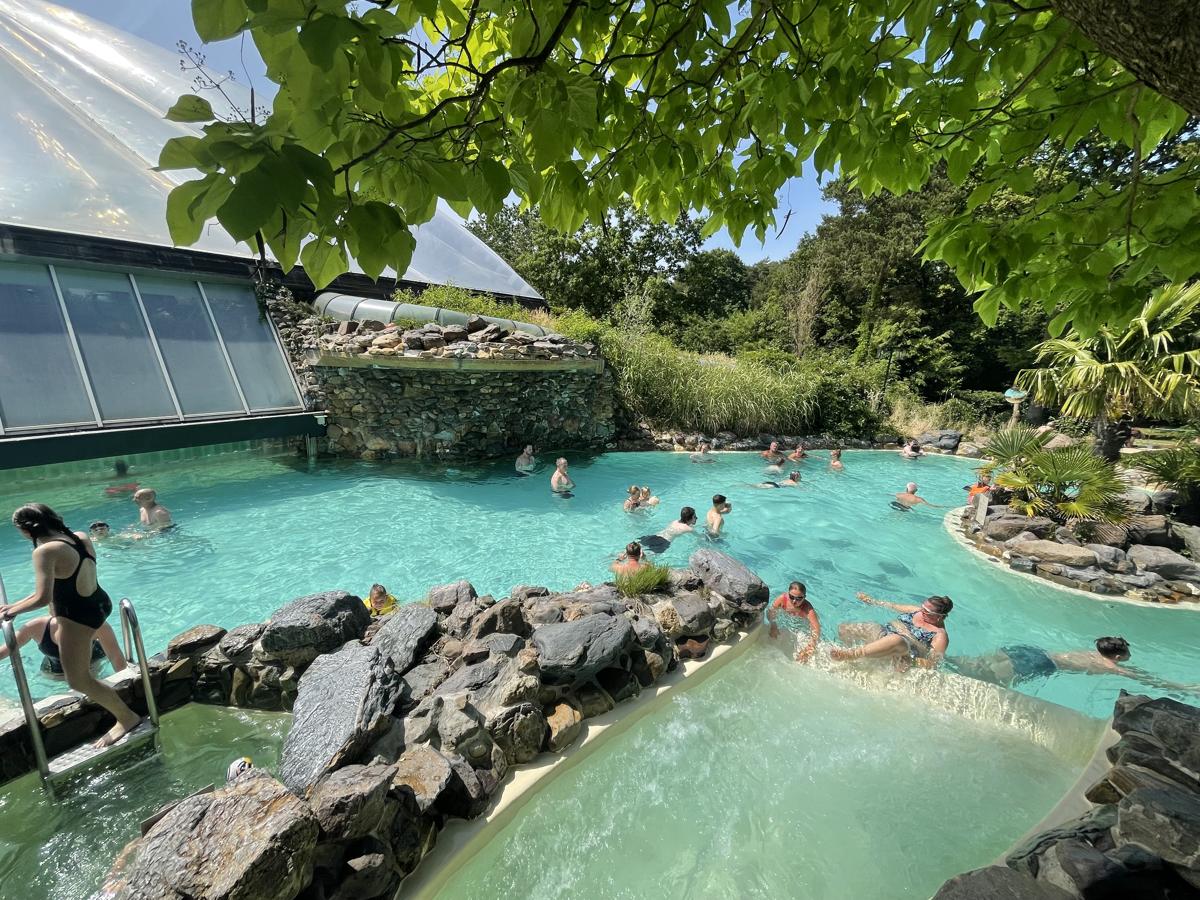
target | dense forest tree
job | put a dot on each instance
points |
(571, 105)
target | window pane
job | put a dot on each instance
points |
(257, 357)
(126, 377)
(39, 378)
(189, 346)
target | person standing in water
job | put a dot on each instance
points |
(560, 481)
(908, 498)
(1022, 662)
(773, 455)
(152, 514)
(715, 520)
(792, 611)
(633, 500)
(630, 561)
(526, 462)
(64, 565)
(799, 454)
(702, 454)
(835, 460)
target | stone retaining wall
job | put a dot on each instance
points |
(404, 722)
(1141, 838)
(458, 410)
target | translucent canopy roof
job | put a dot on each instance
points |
(81, 126)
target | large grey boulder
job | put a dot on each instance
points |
(344, 701)
(1161, 561)
(299, 632)
(1109, 558)
(1154, 530)
(730, 578)
(1091, 827)
(1162, 735)
(505, 617)
(351, 802)
(573, 652)
(423, 774)
(249, 840)
(1053, 552)
(1003, 528)
(1190, 535)
(998, 883)
(945, 439)
(445, 597)
(406, 635)
(1166, 822)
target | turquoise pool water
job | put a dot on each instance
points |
(62, 850)
(256, 532)
(774, 780)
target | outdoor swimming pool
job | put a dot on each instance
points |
(769, 779)
(62, 850)
(256, 532)
(774, 780)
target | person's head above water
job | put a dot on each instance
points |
(793, 475)
(911, 487)
(634, 490)
(687, 515)
(774, 446)
(378, 592)
(633, 550)
(936, 608)
(835, 454)
(146, 497)
(561, 463)
(99, 529)
(121, 467)
(37, 520)
(704, 447)
(1114, 648)
(797, 590)
(719, 501)
(528, 450)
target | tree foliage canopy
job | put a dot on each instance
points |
(704, 106)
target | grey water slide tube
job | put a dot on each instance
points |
(348, 308)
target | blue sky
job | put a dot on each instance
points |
(165, 22)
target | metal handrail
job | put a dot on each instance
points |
(18, 667)
(129, 624)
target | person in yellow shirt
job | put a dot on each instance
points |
(379, 602)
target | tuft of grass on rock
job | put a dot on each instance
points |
(646, 580)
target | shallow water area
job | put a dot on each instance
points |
(774, 780)
(256, 532)
(60, 850)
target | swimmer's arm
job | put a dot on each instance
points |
(814, 635)
(43, 575)
(898, 607)
(937, 650)
(1153, 681)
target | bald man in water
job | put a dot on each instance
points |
(908, 498)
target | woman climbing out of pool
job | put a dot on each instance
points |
(918, 633)
(630, 561)
(64, 565)
(835, 460)
(792, 612)
(45, 628)
(1022, 662)
(658, 543)
(379, 602)
(560, 481)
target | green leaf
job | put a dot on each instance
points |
(323, 261)
(217, 20)
(190, 108)
(249, 205)
(186, 152)
(185, 227)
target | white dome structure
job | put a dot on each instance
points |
(82, 108)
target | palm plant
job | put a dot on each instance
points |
(1152, 367)
(1179, 469)
(1013, 446)
(1068, 484)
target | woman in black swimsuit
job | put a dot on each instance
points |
(43, 630)
(64, 566)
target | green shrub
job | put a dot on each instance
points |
(646, 580)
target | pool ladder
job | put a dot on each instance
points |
(66, 766)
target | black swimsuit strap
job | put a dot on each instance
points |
(79, 547)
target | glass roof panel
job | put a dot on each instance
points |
(81, 108)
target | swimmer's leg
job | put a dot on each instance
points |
(108, 640)
(892, 645)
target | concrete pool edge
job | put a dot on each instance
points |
(462, 839)
(950, 522)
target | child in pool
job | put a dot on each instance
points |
(379, 602)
